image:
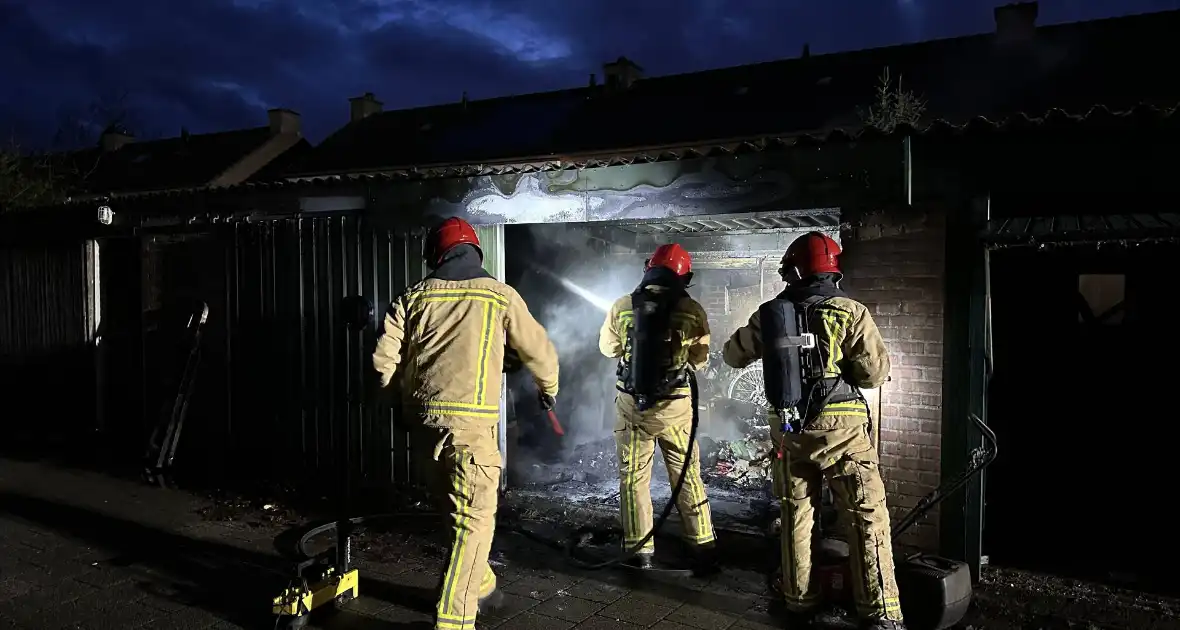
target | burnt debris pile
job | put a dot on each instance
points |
(735, 448)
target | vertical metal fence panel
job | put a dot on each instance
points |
(388, 446)
(352, 392)
(307, 314)
(297, 376)
(44, 297)
(46, 329)
(289, 320)
(375, 468)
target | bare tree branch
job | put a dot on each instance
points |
(893, 106)
(29, 180)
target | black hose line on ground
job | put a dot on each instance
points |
(981, 458)
(584, 534)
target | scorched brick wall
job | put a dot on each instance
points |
(729, 298)
(894, 262)
(711, 291)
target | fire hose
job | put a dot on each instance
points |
(587, 534)
(554, 423)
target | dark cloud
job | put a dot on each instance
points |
(217, 64)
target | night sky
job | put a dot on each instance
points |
(209, 65)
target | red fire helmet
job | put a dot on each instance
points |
(448, 235)
(672, 257)
(812, 253)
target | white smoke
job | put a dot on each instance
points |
(570, 283)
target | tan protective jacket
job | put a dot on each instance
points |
(690, 330)
(444, 341)
(849, 344)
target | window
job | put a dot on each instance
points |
(1102, 298)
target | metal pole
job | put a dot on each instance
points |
(502, 427)
(908, 165)
(762, 278)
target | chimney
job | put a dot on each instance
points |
(364, 106)
(283, 121)
(113, 138)
(1016, 23)
(621, 73)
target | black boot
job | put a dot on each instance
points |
(641, 561)
(490, 602)
(705, 560)
(799, 620)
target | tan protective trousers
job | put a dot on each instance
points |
(463, 470)
(636, 435)
(847, 459)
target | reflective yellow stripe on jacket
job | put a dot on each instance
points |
(493, 305)
(833, 328)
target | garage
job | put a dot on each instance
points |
(1080, 389)
(569, 274)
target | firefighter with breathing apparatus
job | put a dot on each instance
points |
(818, 347)
(442, 347)
(659, 334)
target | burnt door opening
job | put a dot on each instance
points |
(570, 274)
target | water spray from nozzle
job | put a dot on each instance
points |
(596, 300)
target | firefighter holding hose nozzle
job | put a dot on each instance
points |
(443, 346)
(818, 347)
(658, 333)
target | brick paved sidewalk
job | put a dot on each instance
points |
(81, 550)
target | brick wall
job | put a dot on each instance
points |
(894, 263)
(730, 297)
(711, 288)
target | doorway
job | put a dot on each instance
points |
(1082, 354)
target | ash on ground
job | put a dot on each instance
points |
(736, 474)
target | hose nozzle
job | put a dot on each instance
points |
(554, 423)
(547, 405)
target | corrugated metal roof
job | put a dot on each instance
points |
(802, 220)
(1082, 229)
(1096, 118)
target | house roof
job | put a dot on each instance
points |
(272, 178)
(1070, 67)
(186, 161)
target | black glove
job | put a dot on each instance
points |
(547, 402)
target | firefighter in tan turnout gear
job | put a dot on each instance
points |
(657, 333)
(442, 348)
(820, 424)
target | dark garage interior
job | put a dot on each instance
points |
(1084, 350)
